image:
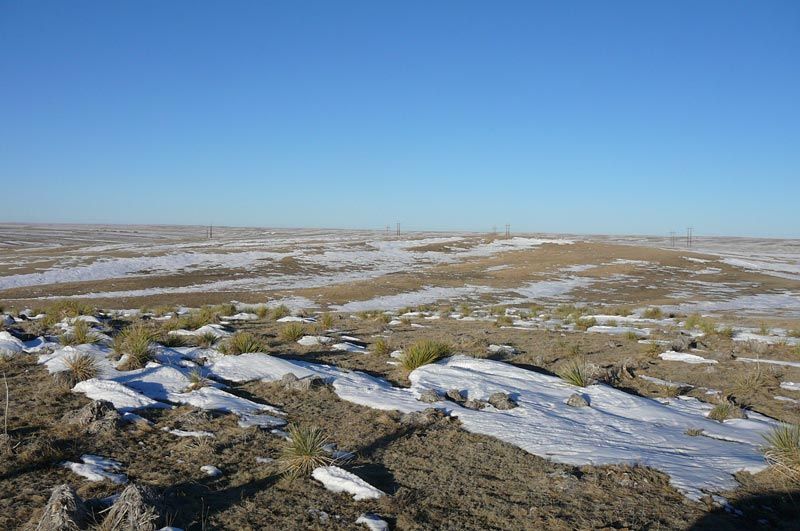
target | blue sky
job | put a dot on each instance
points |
(594, 117)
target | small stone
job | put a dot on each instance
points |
(455, 395)
(422, 418)
(502, 401)
(293, 383)
(429, 396)
(576, 400)
(97, 416)
(211, 470)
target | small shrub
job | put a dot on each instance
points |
(576, 372)
(225, 310)
(748, 382)
(783, 450)
(423, 352)
(304, 451)
(384, 318)
(292, 332)
(726, 410)
(763, 329)
(694, 432)
(161, 311)
(381, 347)
(243, 342)
(622, 311)
(68, 308)
(693, 321)
(653, 313)
(631, 336)
(173, 340)
(726, 332)
(81, 367)
(197, 380)
(465, 310)
(262, 312)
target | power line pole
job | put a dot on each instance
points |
(508, 230)
(689, 236)
(494, 230)
(398, 228)
(672, 238)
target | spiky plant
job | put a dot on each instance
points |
(653, 313)
(326, 321)
(81, 334)
(173, 340)
(81, 366)
(224, 309)
(280, 312)
(136, 343)
(726, 410)
(243, 342)
(423, 352)
(262, 312)
(206, 340)
(584, 323)
(304, 451)
(576, 372)
(292, 332)
(783, 450)
(504, 320)
(197, 380)
(381, 347)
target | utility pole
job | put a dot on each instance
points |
(672, 238)
(398, 228)
(494, 230)
(210, 232)
(387, 230)
(508, 230)
(689, 236)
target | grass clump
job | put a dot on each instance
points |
(423, 352)
(81, 334)
(173, 340)
(243, 342)
(292, 332)
(464, 310)
(504, 320)
(304, 451)
(326, 321)
(693, 321)
(81, 367)
(136, 343)
(584, 323)
(381, 347)
(576, 372)
(279, 312)
(694, 432)
(197, 380)
(207, 340)
(794, 332)
(653, 313)
(726, 410)
(783, 450)
(262, 312)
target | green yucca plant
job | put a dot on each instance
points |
(280, 312)
(81, 334)
(783, 450)
(206, 340)
(584, 323)
(504, 320)
(423, 352)
(326, 321)
(262, 312)
(81, 366)
(576, 372)
(243, 342)
(653, 313)
(135, 342)
(304, 451)
(173, 340)
(197, 380)
(292, 332)
(726, 410)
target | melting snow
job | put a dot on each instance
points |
(336, 479)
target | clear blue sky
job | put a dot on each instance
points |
(618, 117)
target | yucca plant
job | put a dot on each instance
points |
(135, 342)
(576, 372)
(280, 311)
(584, 323)
(243, 342)
(653, 313)
(292, 332)
(726, 410)
(262, 312)
(206, 340)
(304, 451)
(173, 340)
(783, 450)
(81, 334)
(197, 380)
(423, 352)
(381, 347)
(326, 321)
(81, 366)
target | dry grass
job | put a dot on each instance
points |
(576, 372)
(504, 320)
(423, 352)
(783, 451)
(726, 410)
(326, 321)
(243, 342)
(81, 367)
(304, 451)
(173, 340)
(584, 323)
(292, 332)
(381, 347)
(280, 311)
(653, 313)
(197, 380)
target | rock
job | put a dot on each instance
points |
(65, 511)
(211, 470)
(455, 395)
(138, 508)
(293, 383)
(682, 343)
(422, 418)
(373, 522)
(576, 400)
(429, 396)
(98, 416)
(474, 404)
(502, 401)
